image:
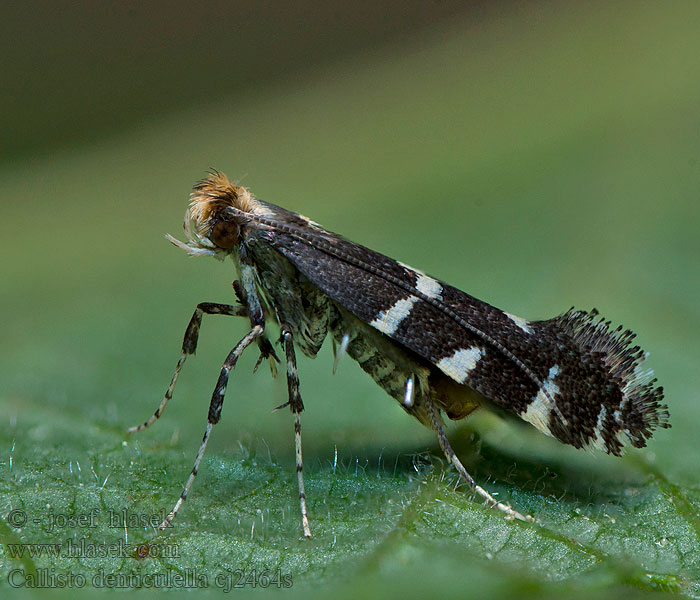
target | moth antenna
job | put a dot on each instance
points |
(342, 349)
(452, 458)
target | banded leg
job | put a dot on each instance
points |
(296, 405)
(266, 349)
(189, 346)
(452, 458)
(215, 406)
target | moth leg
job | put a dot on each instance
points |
(296, 405)
(189, 346)
(215, 406)
(266, 349)
(452, 458)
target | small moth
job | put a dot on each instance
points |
(433, 348)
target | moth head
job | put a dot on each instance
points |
(214, 218)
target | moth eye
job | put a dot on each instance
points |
(224, 234)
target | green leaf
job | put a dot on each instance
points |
(528, 166)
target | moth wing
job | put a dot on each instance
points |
(391, 297)
(542, 371)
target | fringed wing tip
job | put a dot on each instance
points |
(641, 409)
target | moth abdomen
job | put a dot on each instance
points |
(391, 366)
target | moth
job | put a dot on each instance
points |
(435, 349)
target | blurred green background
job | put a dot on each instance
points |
(537, 155)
